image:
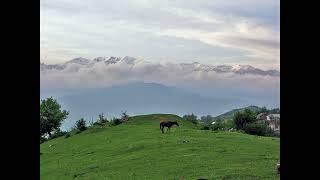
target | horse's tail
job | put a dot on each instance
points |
(160, 125)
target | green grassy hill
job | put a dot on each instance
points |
(230, 114)
(138, 150)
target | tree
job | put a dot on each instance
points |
(263, 110)
(116, 121)
(275, 111)
(51, 116)
(259, 129)
(217, 126)
(206, 119)
(241, 119)
(192, 118)
(124, 116)
(102, 119)
(81, 125)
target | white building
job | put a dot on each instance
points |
(273, 120)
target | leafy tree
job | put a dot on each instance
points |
(206, 119)
(205, 127)
(81, 125)
(102, 119)
(228, 123)
(275, 111)
(241, 119)
(124, 116)
(259, 129)
(263, 110)
(116, 121)
(217, 126)
(192, 118)
(51, 116)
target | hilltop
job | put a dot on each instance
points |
(138, 150)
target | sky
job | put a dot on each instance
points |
(206, 31)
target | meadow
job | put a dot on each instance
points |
(138, 150)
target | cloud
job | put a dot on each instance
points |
(74, 76)
(175, 30)
(258, 41)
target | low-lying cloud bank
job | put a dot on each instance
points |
(82, 73)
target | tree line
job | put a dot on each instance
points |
(242, 121)
(52, 117)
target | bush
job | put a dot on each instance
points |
(192, 118)
(259, 129)
(67, 135)
(42, 140)
(241, 119)
(116, 121)
(206, 127)
(124, 116)
(81, 125)
(57, 134)
(206, 119)
(97, 123)
(102, 120)
(217, 126)
(228, 124)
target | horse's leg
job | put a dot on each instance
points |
(162, 129)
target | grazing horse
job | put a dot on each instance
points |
(167, 124)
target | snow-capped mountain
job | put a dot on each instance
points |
(44, 67)
(81, 61)
(131, 61)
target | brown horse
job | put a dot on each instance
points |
(168, 124)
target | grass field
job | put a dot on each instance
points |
(138, 150)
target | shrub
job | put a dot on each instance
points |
(217, 126)
(91, 123)
(102, 120)
(57, 134)
(206, 127)
(116, 121)
(97, 123)
(42, 139)
(67, 135)
(124, 116)
(192, 118)
(241, 119)
(81, 125)
(259, 129)
(206, 119)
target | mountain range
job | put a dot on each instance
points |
(131, 61)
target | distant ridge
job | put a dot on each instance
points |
(131, 61)
(230, 114)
